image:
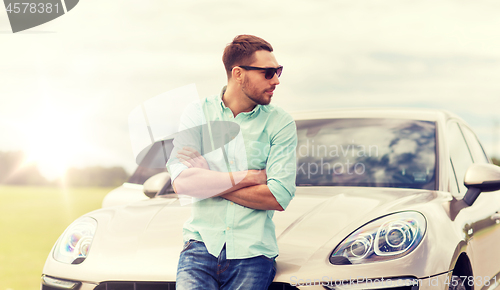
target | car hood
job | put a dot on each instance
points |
(142, 241)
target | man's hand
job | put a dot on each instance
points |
(257, 195)
(192, 158)
(257, 177)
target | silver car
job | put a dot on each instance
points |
(401, 199)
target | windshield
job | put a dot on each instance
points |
(366, 152)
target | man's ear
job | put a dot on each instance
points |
(237, 74)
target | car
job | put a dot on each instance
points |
(401, 199)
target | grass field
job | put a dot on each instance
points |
(31, 220)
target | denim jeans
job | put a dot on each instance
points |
(198, 269)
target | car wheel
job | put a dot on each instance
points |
(456, 283)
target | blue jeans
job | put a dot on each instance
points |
(198, 269)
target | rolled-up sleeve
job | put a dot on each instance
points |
(281, 163)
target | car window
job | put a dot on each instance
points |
(475, 147)
(459, 154)
(152, 160)
(366, 152)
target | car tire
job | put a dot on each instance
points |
(457, 283)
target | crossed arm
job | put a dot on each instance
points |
(249, 188)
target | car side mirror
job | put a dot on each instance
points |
(479, 178)
(155, 183)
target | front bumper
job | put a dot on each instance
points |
(53, 283)
(397, 283)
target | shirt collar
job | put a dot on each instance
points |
(255, 110)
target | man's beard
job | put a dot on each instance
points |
(254, 94)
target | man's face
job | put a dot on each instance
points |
(255, 86)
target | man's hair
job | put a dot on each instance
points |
(241, 51)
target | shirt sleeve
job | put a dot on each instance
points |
(281, 164)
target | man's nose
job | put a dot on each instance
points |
(275, 80)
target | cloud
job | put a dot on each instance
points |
(108, 57)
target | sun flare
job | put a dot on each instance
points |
(52, 140)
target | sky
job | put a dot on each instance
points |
(68, 87)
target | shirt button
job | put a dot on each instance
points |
(227, 228)
(232, 203)
(232, 162)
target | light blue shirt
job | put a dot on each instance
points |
(267, 139)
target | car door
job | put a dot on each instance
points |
(487, 230)
(479, 228)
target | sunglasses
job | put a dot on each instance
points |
(270, 71)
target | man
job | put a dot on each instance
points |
(230, 241)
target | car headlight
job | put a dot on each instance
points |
(385, 238)
(74, 244)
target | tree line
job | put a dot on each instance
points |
(14, 172)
